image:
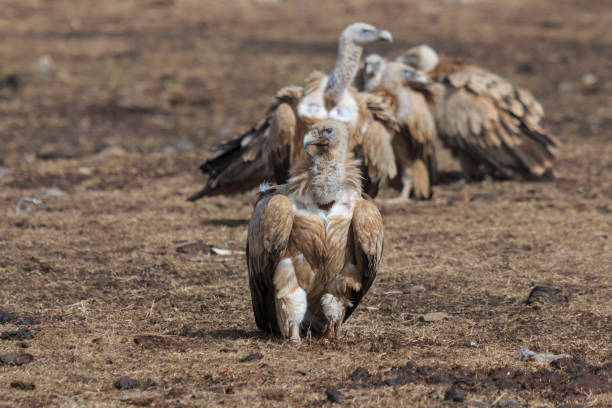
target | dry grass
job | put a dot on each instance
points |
(98, 267)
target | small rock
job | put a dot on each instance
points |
(252, 357)
(126, 383)
(193, 248)
(109, 151)
(455, 393)
(20, 385)
(26, 321)
(53, 192)
(23, 334)
(590, 83)
(359, 374)
(333, 395)
(434, 317)
(6, 317)
(44, 65)
(507, 403)
(16, 359)
(545, 293)
(524, 354)
(67, 153)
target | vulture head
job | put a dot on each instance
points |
(325, 137)
(397, 73)
(422, 57)
(362, 34)
(373, 71)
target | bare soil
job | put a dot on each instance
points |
(113, 274)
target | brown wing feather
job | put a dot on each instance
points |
(237, 165)
(374, 147)
(367, 237)
(493, 122)
(268, 236)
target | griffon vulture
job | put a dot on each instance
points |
(314, 245)
(485, 120)
(413, 144)
(272, 147)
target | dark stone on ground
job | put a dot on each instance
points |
(16, 359)
(20, 385)
(455, 393)
(333, 395)
(252, 357)
(126, 383)
(23, 334)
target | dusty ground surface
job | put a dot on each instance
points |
(113, 275)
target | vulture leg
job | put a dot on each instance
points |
(290, 301)
(420, 180)
(333, 309)
(471, 169)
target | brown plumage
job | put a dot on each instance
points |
(486, 121)
(314, 245)
(413, 143)
(276, 142)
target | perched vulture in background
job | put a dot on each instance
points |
(485, 120)
(314, 245)
(413, 144)
(274, 145)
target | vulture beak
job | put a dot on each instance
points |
(416, 77)
(311, 138)
(385, 35)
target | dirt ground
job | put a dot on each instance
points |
(112, 272)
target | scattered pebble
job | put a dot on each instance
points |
(252, 357)
(455, 393)
(434, 317)
(506, 403)
(126, 383)
(16, 359)
(65, 153)
(23, 334)
(26, 321)
(524, 354)
(545, 293)
(6, 317)
(53, 192)
(20, 385)
(333, 395)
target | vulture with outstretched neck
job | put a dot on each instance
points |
(486, 121)
(274, 145)
(413, 144)
(314, 245)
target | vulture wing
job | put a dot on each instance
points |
(269, 231)
(486, 118)
(367, 237)
(241, 163)
(374, 146)
(283, 144)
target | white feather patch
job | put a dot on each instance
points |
(333, 309)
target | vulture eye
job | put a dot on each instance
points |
(328, 132)
(366, 31)
(407, 74)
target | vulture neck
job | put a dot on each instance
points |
(345, 70)
(324, 178)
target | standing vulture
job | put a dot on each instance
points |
(413, 144)
(485, 120)
(274, 145)
(314, 245)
